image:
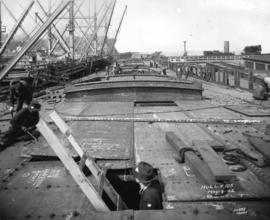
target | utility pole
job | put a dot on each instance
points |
(95, 27)
(50, 30)
(71, 29)
(0, 24)
(0, 32)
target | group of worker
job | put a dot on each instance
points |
(116, 68)
(184, 70)
(153, 64)
(24, 119)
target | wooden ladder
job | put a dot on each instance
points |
(94, 195)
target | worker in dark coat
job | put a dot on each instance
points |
(150, 188)
(22, 123)
(164, 71)
(20, 92)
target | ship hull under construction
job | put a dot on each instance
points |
(208, 144)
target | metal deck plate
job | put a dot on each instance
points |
(10, 158)
(251, 110)
(102, 140)
(106, 140)
(150, 146)
(179, 180)
(233, 136)
(224, 209)
(41, 190)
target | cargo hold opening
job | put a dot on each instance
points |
(125, 184)
(154, 103)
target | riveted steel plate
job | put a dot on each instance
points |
(251, 110)
(151, 146)
(232, 136)
(10, 158)
(222, 209)
(115, 164)
(41, 189)
(179, 180)
(102, 140)
(109, 140)
(194, 105)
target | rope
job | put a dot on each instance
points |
(151, 120)
(236, 156)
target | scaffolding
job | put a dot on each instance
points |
(72, 31)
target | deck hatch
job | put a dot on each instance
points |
(154, 103)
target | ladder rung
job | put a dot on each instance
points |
(101, 181)
(84, 183)
(90, 163)
(83, 160)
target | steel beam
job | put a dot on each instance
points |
(34, 39)
(55, 44)
(107, 29)
(117, 32)
(66, 49)
(57, 33)
(71, 29)
(15, 28)
(88, 28)
(14, 18)
(83, 34)
(0, 26)
(93, 34)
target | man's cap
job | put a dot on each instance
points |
(14, 82)
(35, 104)
(144, 172)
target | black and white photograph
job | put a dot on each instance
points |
(134, 110)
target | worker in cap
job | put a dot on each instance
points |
(20, 92)
(23, 123)
(150, 188)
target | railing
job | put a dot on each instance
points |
(208, 58)
(235, 77)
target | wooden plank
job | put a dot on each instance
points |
(95, 170)
(217, 167)
(199, 167)
(73, 168)
(260, 145)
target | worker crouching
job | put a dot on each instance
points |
(22, 124)
(21, 92)
(150, 188)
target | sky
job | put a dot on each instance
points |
(163, 25)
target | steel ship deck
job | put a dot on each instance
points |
(140, 117)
